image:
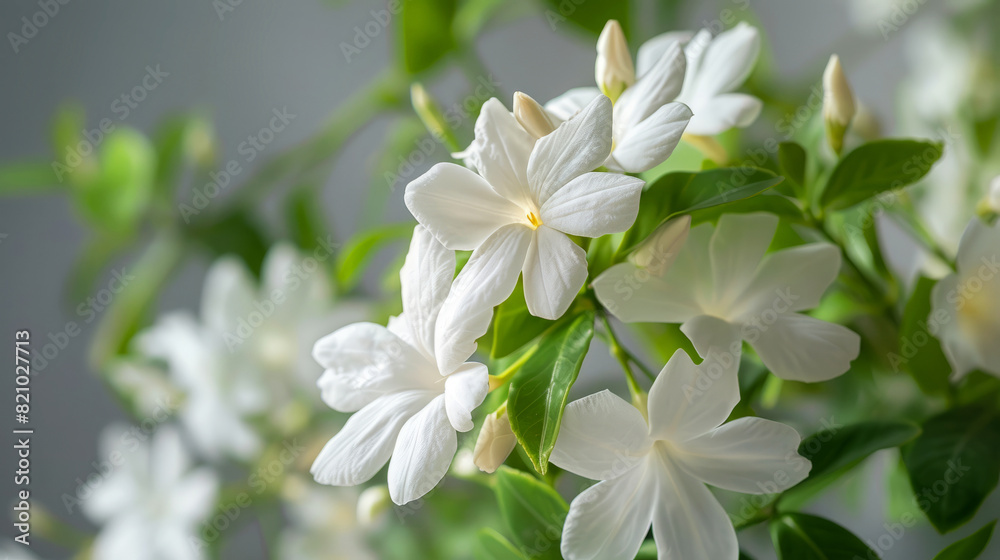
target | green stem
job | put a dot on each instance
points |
(621, 355)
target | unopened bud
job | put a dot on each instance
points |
(659, 251)
(432, 117)
(372, 504)
(614, 70)
(989, 206)
(496, 441)
(532, 116)
(838, 103)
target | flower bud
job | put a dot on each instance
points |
(432, 117)
(660, 249)
(372, 504)
(496, 441)
(614, 70)
(989, 206)
(532, 116)
(838, 103)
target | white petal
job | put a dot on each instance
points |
(652, 50)
(611, 518)
(579, 145)
(979, 241)
(504, 148)
(423, 453)
(792, 279)
(554, 271)
(126, 536)
(364, 361)
(459, 207)
(228, 294)
(720, 113)
(651, 141)
(748, 455)
(601, 437)
(736, 249)
(801, 348)
(714, 337)
(192, 500)
(688, 521)
(567, 105)
(727, 61)
(958, 344)
(464, 390)
(169, 458)
(659, 86)
(425, 278)
(487, 280)
(299, 292)
(594, 204)
(687, 401)
(634, 295)
(366, 441)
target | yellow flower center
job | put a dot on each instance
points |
(534, 220)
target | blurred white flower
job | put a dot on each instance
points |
(518, 215)
(12, 551)
(151, 505)
(409, 399)
(966, 304)
(322, 524)
(725, 290)
(992, 200)
(653, 467)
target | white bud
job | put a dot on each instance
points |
(372, 504)
(496, 441)
(614, 70)
(532, 116)
(659, 251)
(838, 103)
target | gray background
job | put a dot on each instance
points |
(266, 55)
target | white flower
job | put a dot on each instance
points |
(322, 523)
(724, 289)
(518, 215)
(654, 473)
(409, 401)
(647, 122)
(152, 504)
(966, 304)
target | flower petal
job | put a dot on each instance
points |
(714, 337)
(634, 295)
(725, 111)
(687, 401)
(459, 207)
(554, 271)
(980, 245)
(487, 280)
(792, 279)
(503, 151)
(688, 521)
(601, 437)
(802, 348)
(594, 204)
(652, 50)
(364, 444)
(748, 455)
(651, 141)
(228, 295)
(727, 62)
(425, 278)
(567, 105)
(611, 518)
(736, 249)
(659, 86)
(424, 450)
(364, 361)
(579, 145)
(464, 390)
(959, 346)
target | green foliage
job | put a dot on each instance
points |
(27, 178)
(425, 32)
(539, 389)
(589, 16)
(533, 512)
(792, 161)
(920, 352)
(970, 547)
(491, 545)
(797, 536)
(359, 249)
(236, 233)
(877, 167)
(955, 464)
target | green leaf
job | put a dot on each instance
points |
(919, 352)
(797, 536)
(876, 167)
(589, 16)
(306, 223)
(491, 545)
(539, 389)
(237, 234)
(359, 250)
(955, 464)
(425, 32)
(685, 192)
(115, 197)
(27, 178)
(533, 511)
(792, 163)
(970, 547)
(513, 326)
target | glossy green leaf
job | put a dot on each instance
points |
(533, 512)
(955, 464)
(491, 545)
(686, 192)
(970, 547)
(539, 389)
(797, 536)
(513, 326)
(876, 167)
(919, 351)
(425, 32)
(792, 162)
(358, 251)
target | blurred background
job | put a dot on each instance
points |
(237, 64)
